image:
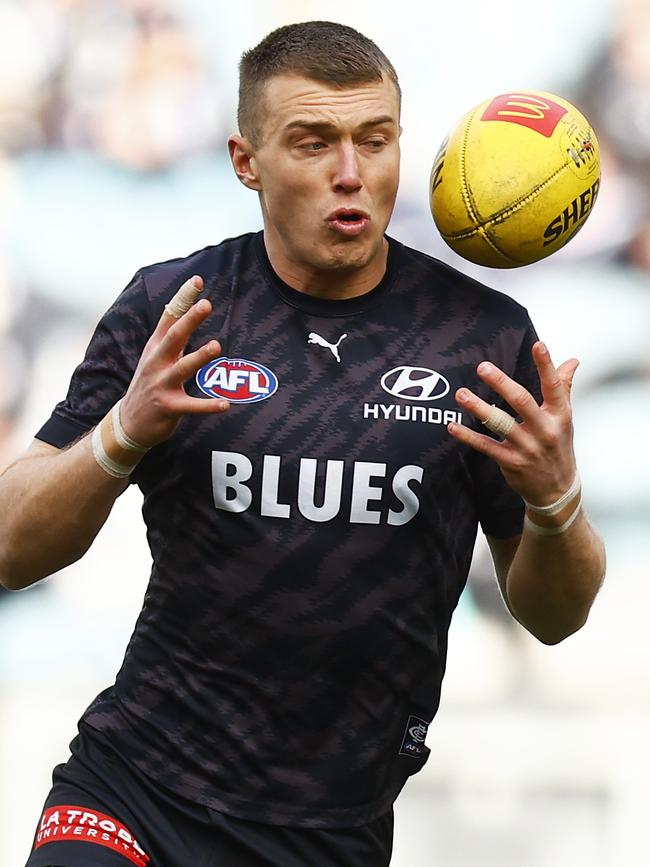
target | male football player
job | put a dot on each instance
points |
(319, 419)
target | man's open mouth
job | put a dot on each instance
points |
(348, 221)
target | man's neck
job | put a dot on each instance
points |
(334, 283)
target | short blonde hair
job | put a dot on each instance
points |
(320, 50)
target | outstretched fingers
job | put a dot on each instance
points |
(515, 395)
(186, 296)
(180, 319)
(498, 451)
(200, 406)
(188, 365)
(555, 382)
(486, 412)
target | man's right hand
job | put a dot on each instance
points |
(54, 501)
(156, 400)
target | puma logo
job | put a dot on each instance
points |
(334, 348)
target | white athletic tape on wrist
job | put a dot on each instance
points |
(186, 296)
(123, 439)
(111, 467)
(558, 505)
(499, 421)
(553, 531)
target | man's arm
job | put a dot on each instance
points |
(548, 583)
(54, 502)
(550, 575)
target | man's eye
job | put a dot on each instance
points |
(314, 146)
(376, 143)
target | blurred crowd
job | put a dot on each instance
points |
(615, 94)
(110, 122)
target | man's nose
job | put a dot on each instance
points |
(347, 177)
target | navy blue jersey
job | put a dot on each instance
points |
(310, 545)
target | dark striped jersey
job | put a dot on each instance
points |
(310, 545)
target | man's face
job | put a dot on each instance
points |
(328, 170)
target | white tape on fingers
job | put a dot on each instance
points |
(499, 421)
(186, 296)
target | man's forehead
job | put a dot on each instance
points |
(291, 98)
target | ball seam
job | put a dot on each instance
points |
(469, 204)
(468, 199)
(491, 243)
(503, 215)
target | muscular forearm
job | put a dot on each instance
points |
(53, 504)
(554, 579)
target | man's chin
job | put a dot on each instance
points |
(350, 254)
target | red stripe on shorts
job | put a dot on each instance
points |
(65, 824)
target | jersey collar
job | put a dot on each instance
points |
(325, 306)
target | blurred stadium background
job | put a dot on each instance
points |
(113, 120)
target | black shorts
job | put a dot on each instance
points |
(103, 813)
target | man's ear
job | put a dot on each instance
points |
(243, 161)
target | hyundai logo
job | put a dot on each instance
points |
(415, 383)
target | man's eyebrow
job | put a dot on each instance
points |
(318, 125)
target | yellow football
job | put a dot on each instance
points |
(515, 179)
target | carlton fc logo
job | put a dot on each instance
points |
(415, 383)
(237, 380)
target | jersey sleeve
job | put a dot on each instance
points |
(104, 375)
(500, 509)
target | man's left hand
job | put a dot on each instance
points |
(536, 456)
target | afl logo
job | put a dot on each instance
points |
(237, 380)
(415, 383)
